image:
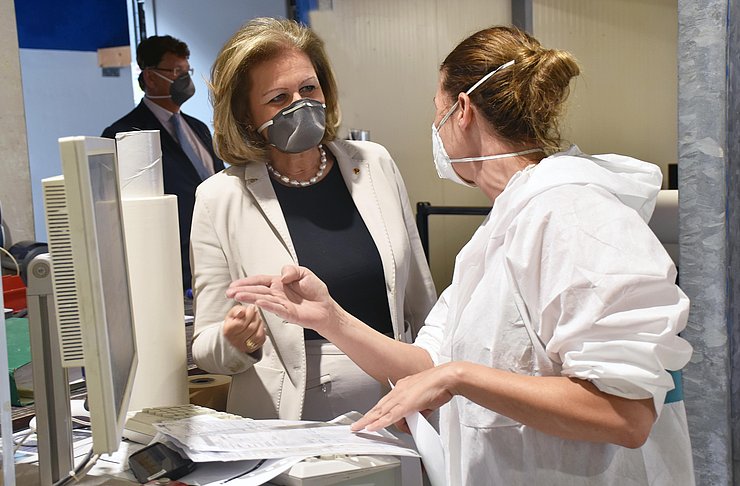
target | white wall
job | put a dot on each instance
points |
(65, 95)
(626, 98)
(205, 27)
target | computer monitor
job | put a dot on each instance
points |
(91, 316)
(102, 283)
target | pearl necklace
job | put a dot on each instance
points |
(297, 183)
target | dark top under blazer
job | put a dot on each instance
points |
(180, 177)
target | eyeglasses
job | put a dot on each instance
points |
(176, 71)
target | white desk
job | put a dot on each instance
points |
(365, 470)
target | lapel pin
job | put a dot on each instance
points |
(356, 170)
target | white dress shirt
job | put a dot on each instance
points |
(164, 115)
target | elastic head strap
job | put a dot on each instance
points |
(472, 88)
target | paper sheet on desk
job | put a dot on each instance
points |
(206, 438)
(429, 445)
(239, 473)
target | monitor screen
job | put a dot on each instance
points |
(102, 283)
(113, 274)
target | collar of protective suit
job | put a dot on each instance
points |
(634, 182)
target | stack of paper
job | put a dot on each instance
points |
(262, 449)
(207, 438)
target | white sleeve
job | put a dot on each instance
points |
(431, 335)
(600, 289)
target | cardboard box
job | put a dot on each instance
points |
(114, 57)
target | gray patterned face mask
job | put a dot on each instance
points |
(181, 89)
(297, 128)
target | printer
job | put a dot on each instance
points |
(337, 469)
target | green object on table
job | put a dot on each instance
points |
(19, 358)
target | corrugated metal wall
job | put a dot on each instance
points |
(709, 147)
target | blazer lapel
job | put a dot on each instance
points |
(257, 181)
(358, 174)
(285, 336)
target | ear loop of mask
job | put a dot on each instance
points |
(162, 96)
(472, 88)
(486, 157)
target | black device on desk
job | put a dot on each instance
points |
(159, 461)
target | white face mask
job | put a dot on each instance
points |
(442, 161)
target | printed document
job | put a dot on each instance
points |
(208, 438)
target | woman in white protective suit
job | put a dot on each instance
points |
(550, 354)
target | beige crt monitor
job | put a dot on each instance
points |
(87, 245)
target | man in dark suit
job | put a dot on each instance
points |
(187, 147)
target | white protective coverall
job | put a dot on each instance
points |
(565, 277)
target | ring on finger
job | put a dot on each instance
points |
(250, 344)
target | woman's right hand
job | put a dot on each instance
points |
(297, 296)
(244, 329)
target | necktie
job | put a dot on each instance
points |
(188, 148)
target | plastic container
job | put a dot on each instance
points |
(14, 293)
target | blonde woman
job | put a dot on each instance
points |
(294, 194)
(550, 354)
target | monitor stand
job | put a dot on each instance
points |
(50, 381)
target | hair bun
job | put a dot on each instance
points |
(523, 103)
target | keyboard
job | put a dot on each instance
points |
(140, 425)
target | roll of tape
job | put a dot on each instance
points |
(209, 390)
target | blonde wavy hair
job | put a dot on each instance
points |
(235, 138)
(523, 103)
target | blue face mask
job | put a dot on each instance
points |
(443, 162)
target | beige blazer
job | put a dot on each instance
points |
(239, 230)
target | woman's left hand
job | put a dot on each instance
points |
(296, 295)
(425, 391)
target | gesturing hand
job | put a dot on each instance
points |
(297, 296)
(244, 329)
(423, 392)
